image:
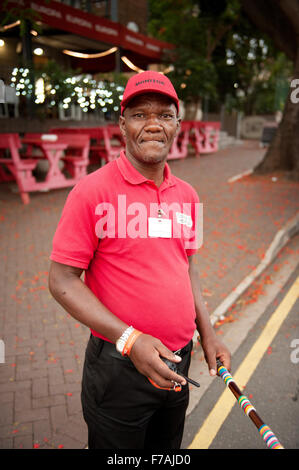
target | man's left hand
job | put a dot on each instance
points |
(214, 349)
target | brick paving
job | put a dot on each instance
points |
(40, 381)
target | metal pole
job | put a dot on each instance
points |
(114, 10)
(28, 62)
(114, 17)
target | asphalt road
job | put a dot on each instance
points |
(273, 388)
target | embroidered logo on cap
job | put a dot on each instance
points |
(150, 80)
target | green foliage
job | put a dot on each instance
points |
(20, 80)
(260, 76)
(58, 79)
(66, 87)
(24, 15)
(220, 55)
(193, 77)
(195, 27)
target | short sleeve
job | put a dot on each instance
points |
(75, 240)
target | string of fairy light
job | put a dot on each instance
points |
(89, 96)
(85, 91)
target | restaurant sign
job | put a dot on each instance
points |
(75, 21)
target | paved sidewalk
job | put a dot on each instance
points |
(40, 381)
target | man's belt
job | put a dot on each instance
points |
(185, 350)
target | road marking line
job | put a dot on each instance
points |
(222, 408)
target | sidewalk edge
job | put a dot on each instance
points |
(281, 238)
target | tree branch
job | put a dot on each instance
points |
(208, 43)
(291, 10)
(271, 19)
(213, 44)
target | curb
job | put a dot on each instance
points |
(240, 176)
(282, 237)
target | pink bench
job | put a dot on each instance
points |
(76, 157)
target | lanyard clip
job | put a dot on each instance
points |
(160, 212)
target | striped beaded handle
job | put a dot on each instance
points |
(267, 434)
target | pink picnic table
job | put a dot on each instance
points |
(53, 152)
(72, 150)
(106, 142)
(204, 136)
(179, 148)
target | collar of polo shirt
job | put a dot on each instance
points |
(133, 176)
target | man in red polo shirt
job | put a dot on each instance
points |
(131, 226)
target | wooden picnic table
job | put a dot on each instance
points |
(179, 148)
(72, 151)
(53, 152)
(106, 142)
(204, 136)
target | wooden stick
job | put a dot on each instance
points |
(267, 434)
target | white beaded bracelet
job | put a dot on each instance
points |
(120, 343)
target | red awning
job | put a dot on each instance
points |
(66, 18)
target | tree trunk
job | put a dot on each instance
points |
(191, 110)
(283, 152)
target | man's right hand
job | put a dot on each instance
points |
(145, 355)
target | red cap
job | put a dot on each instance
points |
(148, 82)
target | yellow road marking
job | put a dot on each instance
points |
(222, 408)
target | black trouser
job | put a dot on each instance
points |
(122, 409)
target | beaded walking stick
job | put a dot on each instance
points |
(267, 434)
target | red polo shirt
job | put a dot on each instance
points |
(142, 279)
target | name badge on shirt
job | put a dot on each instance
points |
(184, 219)
(159, 228)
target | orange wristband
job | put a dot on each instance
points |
(130, 341)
